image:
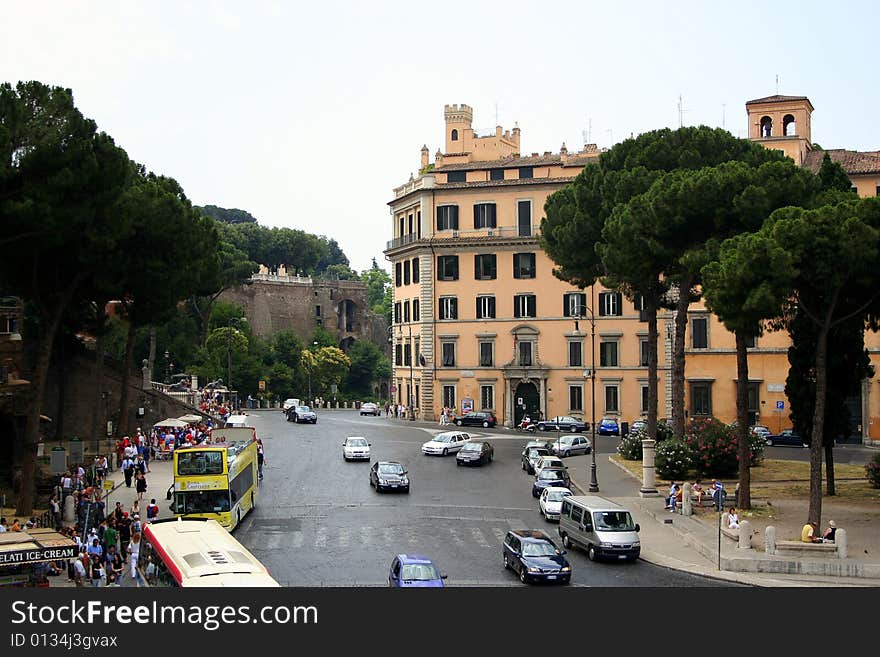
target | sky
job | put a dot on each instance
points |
(307, 115)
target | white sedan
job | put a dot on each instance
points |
(551, 501)
(356, 448)
(446, 443)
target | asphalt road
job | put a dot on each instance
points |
(318, 522)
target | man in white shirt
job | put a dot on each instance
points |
(2, 525)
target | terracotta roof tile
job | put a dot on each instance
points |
(853, 162)
(775, 99)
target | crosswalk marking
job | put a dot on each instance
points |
(366, 535)
(478, 537)
(455, 537)
(297, 539)
(321, 537)
(388, 535)
(274, 541)
(344, 537)
(499, 534)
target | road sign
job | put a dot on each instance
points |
(262, 386)
(780, 405)
(108, 484)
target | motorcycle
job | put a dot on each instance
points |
(526, 424)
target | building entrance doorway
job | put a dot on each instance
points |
(526, 401)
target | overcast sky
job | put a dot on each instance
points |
(307, 115)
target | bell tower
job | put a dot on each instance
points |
(782, 123)
(459, 133)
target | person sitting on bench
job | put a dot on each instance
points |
(808, 533)
(828, 536)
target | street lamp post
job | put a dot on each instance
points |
(594, 483)
(167, 374)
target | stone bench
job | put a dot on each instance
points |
(837, 549)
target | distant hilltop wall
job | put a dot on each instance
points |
(277, 302)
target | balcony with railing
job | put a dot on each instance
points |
(499, 232)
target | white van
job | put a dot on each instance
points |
(237, 421)
(601, 527)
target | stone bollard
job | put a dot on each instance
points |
(840, 542)
(770, 539)
(745, 535)
(649, 480)
(69, 506)
(686, 509)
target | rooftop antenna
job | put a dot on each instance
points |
(777, 84)
(681, 112)
(588, 133)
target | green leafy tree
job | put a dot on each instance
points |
(379, 290)
(834, 251)
(60, 180)
(746, 286)
(368, 364)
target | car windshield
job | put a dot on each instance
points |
(551, 474)
(556, 495)
(442, 439)
(542, 549)
(357, 442)
(535, 452)
(420, 572)
(391, 468)
(303, 409)
(567, 440)
(471, 447)
(614, 521)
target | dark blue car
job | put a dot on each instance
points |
(414, 571)
(608, 427)
(534, 557)
(550, 477)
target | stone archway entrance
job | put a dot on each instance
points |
(531, 401)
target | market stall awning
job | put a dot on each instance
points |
(33, 546)
(171, 422)
(190, 418)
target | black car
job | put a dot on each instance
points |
(786, 437)
(389, 475)
(562, 423)
(534, 557)
(530, 456)
(302, 414)
(476, 419)
(550, 476)
(475, 452)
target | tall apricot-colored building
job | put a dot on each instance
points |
(481, 323)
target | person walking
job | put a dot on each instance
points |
(261, 457)
(141, 485)
(134, 552)
(128, 470)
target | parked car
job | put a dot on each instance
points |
(414, 571)
(475, 452)
(302, 414)
(356, 448)
(389, 475)
(369, 408)
(530, 456)
(569, 445)
(539, 443)
(638, 425)
(445, 443)
(562, 423)
(608, 427)
(550, 477)
(476, 419)
(761, 430)
(550, 502)
(786, 437)
(290, 403)
(548, 461)
(532, 555)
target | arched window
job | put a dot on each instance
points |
(789, 127)
(454, 136)
(766, 126)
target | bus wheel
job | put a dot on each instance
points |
(253, 502)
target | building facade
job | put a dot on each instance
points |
(481, 323)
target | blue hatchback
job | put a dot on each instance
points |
(414, 571)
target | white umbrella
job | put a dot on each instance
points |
(171, 422)
(190, 418)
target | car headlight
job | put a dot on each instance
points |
(565, 569)
(637, 544)
(383, 481)
(605, 545)
(532, 569)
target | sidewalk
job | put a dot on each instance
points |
(691, 543)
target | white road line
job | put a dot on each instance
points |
(366, 535)
(412, 539)
(455, 537)
(321, 537)
(296, 539)
(499, 534)
(344, 537)
(274, 540)
(388, 535)
(478, 537)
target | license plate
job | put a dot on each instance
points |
(551, 576)
(621, 556)
(393, 485)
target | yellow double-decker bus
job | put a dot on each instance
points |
(216, 481)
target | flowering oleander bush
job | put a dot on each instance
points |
(673, 459)
(872, 471)
(664, 431)
(630, 447)
(714, 448)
